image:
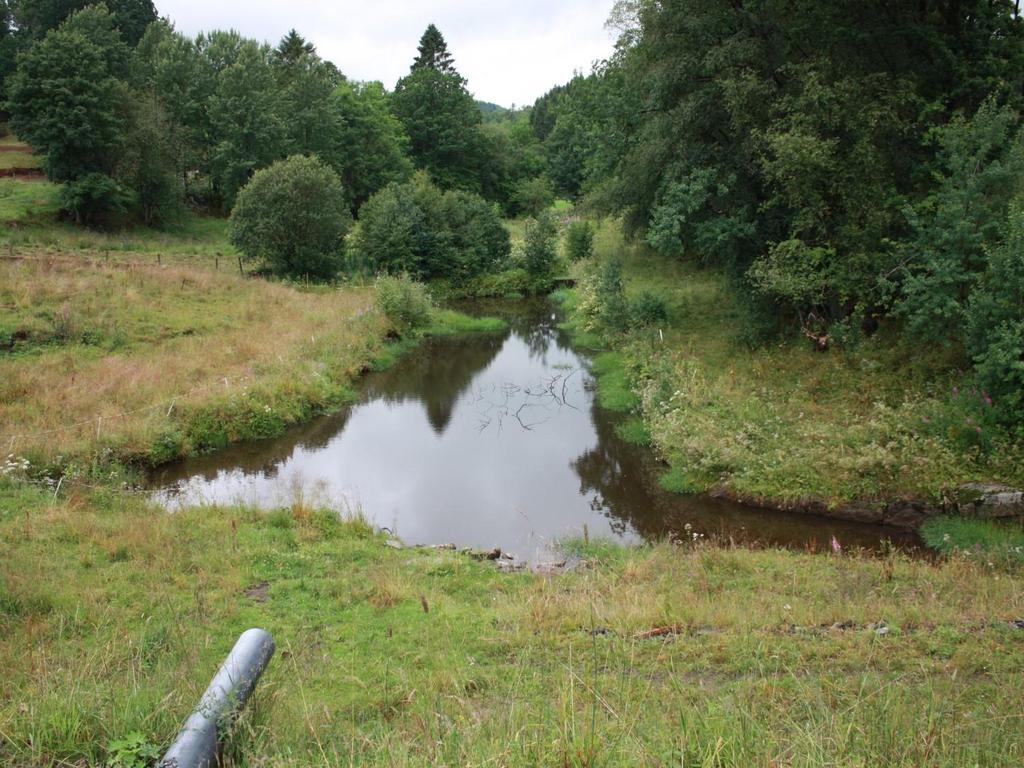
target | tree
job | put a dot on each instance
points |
(370, 148)
(306, 84)
(419, 230)
(293, 48)
(433, 53)
(67, 103)
(245, 118)
(539, 246)
(149, 166)
(442, 121)
(579, 241)
(532, 196)
(293, 217)
(131, 17)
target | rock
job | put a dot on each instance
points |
(546, 568)
(908, 514)
(989, 500)
(481, 554)
(862, 512)
(882, 631)
(451, 547)
(1017, 623)
(394, 544)
(509, 566)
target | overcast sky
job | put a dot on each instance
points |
(511, 52)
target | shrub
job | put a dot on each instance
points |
(602, 299)
(539, 246)
(404, 302)
(417, 229)
(579, 241)
(94, 199)
(292, 216)
(646, 310)
(533, 196)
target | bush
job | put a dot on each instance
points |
(404, 302)
(995, 323)
(646, 310)
(533, 196)
(579, 241)
(293, 217)
(539, 246)
(94, 199)
(602, 300)
(417, 229)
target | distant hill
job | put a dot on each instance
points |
(487, 107)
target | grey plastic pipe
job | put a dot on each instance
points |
(196, 744)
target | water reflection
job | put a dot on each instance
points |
(484, 440)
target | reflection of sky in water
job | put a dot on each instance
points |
(498, 473)
(486, 440)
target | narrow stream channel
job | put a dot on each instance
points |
(487, 440)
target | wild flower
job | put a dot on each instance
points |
(836, 546)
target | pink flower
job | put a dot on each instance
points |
(836, 547)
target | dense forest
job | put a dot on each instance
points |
(849, 165)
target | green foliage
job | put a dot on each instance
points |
(602, 306)
(370, 148)
(246, 118)
(532, 197)
(995, 323)
(131, 17)
(987, 541)
(149, 167)
(133, 751)
(293, 216)
(980, 169)
(442, 122)
(94, 199)
(404, 302)
(540, 246)
(579, 240)
(418, 229)
(65, 98)
(433, 52)
(647, 309)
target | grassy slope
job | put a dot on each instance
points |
(113, 616)
(785, 422)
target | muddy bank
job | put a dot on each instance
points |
(976, 500)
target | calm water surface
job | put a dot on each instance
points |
(488, 440)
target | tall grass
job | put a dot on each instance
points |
(113, 618)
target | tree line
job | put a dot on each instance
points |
(848, 164)
(137, 120)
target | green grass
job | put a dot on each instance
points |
(634, 431)
(446, 322)
(993, 541)
(613, 386)
(114, 616)
(26, 201)
(781, 421)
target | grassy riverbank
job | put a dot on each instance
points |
(781, 421)
(113, 616)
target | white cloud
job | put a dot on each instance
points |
(511, 52)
